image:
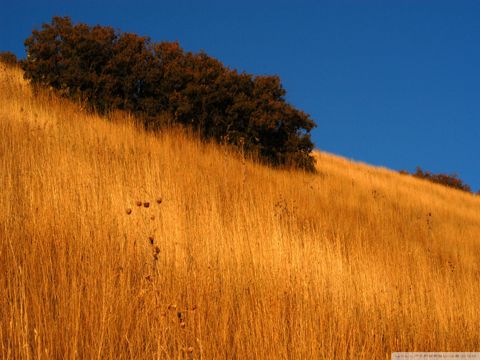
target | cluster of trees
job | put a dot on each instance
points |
(451, 180)
(162, 84)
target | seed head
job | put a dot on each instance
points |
(138, 203)
(151, 239)
(159, 200)
(146, 204)
(128, 211)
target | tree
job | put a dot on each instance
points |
(451, 180)
(112, 70)
(8, 58)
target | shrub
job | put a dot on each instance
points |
(158, 81)
(451, 180)
(8, 58)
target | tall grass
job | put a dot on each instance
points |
(234, 260)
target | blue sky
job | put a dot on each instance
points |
(390, 83)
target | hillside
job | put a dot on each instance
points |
(246, 261)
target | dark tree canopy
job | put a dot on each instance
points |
(450, 180)
(158, 81)
(8, 58)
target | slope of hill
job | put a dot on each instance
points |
(229, 260)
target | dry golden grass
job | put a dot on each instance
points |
(234, 260)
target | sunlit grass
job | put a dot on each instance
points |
(116, 243)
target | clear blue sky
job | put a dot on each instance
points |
(391, 83)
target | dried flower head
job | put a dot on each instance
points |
(128, 211)
(159, 200)
(138, 203)
(146, 204)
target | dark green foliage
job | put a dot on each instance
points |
(451, 180)
(158, 81)
(8, 58)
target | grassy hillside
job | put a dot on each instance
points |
(247, 262)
